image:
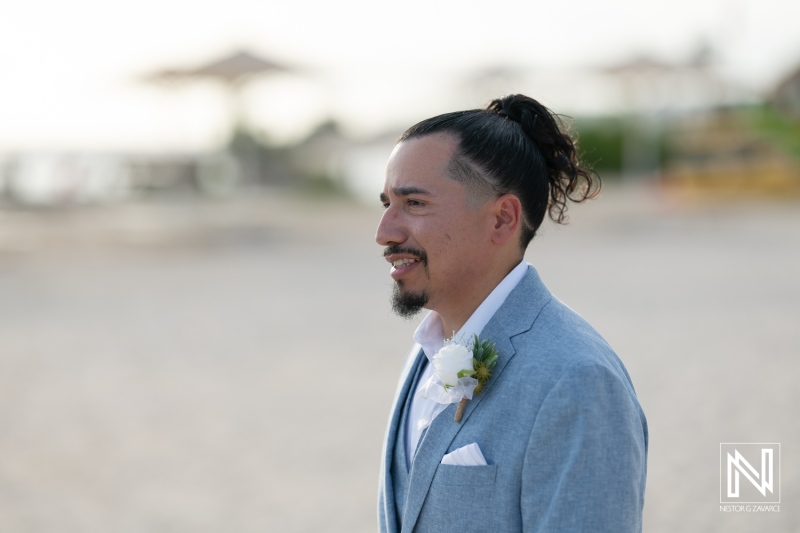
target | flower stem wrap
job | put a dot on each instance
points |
(462, 404)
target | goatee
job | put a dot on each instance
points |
(407, 304)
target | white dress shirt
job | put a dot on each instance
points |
(430, 336)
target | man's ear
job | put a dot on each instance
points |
(507, 218)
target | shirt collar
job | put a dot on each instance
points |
(429, 334)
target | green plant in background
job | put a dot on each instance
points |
(603, 142)
(776, 127)
(600, 143)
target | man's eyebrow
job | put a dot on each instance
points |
(405, 191)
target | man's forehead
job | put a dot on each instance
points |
(435, 145)
(420, 165)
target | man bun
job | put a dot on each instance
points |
(567, 178)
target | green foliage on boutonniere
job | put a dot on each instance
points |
(484, 357)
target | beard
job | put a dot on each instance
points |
(407, 304)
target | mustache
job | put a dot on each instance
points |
(389, 250)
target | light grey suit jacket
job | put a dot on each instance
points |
(558, 423)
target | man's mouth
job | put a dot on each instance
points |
(401, 267)
(403, 262)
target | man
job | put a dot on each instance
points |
(555, 441)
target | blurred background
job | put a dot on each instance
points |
(194, 324)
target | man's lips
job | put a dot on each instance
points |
(404, 260)
(402, 264)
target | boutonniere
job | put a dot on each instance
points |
(462, 370)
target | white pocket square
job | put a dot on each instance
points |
(469, 455)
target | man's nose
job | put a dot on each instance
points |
(390, 230)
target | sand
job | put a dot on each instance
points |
(206, 366)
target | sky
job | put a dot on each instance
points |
(74, 73)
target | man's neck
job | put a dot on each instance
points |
(456, 315)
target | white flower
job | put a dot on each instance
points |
(445, 387)
(449, 361)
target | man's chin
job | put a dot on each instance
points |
(407, 304)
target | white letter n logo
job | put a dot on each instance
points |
(740, 464)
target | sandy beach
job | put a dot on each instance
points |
(206, 366)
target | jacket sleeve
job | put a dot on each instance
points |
(585, 462)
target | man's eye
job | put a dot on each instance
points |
(386, 205)
(414, 203)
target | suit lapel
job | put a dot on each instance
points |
(410, 366)
(515, 316)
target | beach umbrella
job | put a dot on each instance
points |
(233, 71)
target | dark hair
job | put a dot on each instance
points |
(515, 146)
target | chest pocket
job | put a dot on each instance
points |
(459, 500)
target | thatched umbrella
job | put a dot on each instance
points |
(233, 71)
(236, 67)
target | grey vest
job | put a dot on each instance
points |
(400, 473)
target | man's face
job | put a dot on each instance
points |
(435, 241)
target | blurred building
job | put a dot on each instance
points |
(786, 96)
(731, 153)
